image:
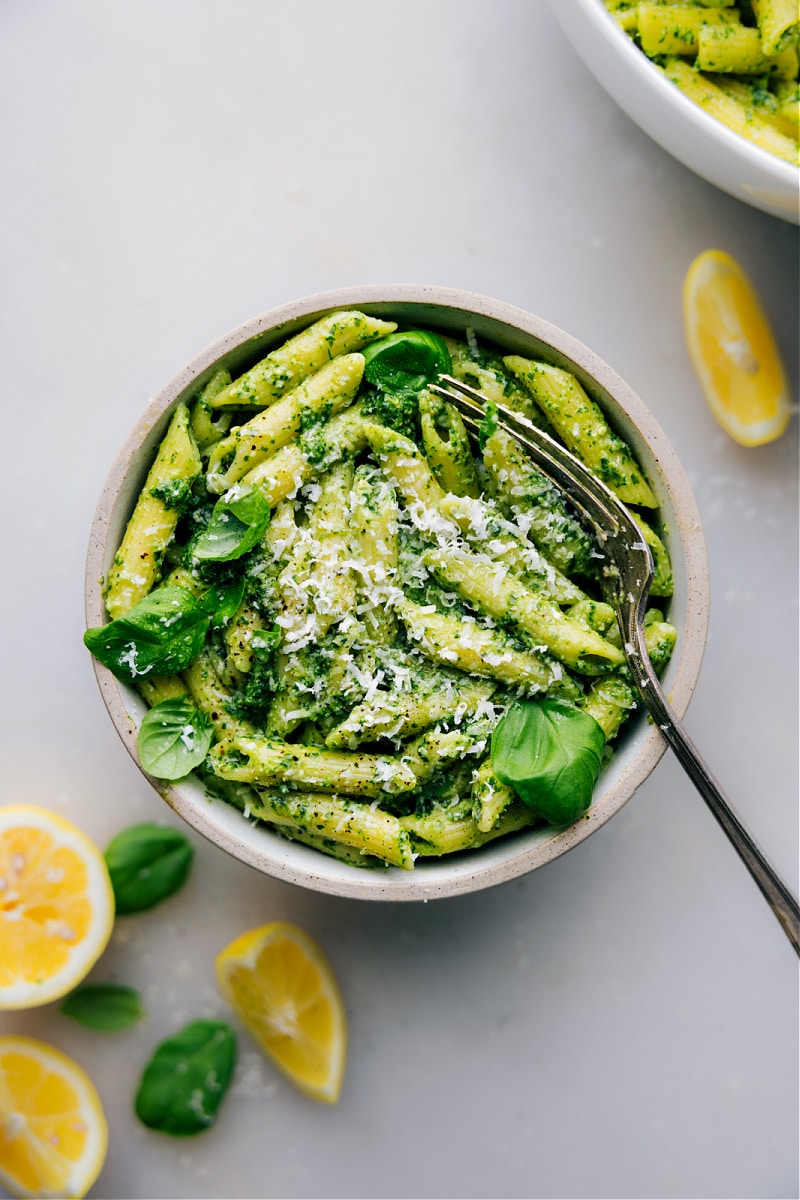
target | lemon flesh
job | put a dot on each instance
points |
(733, 350)
(282, 988)
(56, 906)
(53, 1132)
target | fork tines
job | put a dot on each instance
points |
(567, 472)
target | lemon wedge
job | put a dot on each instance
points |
(283, 990)
(53, 1132)
(733, 350)
(56, 906)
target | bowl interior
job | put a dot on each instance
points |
(639, 747)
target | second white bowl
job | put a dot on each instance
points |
(680, 127)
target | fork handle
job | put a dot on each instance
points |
(775, 891)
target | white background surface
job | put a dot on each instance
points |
(622, 1023)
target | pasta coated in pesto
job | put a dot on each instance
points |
(357, 653)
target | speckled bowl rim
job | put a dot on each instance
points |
(638, 752)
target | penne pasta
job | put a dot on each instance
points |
(736, 59)
(480, 650)
(447, 447)
(136, 566)
(323, 395)
(264, 761)
(583, 428)
(505, 598)
(302, 355)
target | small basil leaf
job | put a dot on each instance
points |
(222, 601)
(405, 362)
(186, 1079)
(107, 1007)
(550, 753)
(147, 863)
(237, 525)
(161, 635)
(174, 738)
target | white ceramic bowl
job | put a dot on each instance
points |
(680, 126)
(639, 748)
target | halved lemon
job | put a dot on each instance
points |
(733, 350)
(282, 988)
(53, 1133)
(56, 906)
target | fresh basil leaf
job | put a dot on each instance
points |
(222, 601)
(405, 362)
(107, 1007)
(174, 738)
(147, 863)
(161, 635)
(186, 1079)
(237, 525)
(550, 753)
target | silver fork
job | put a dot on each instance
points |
(626, 587)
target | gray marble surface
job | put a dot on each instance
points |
(621, 1023)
